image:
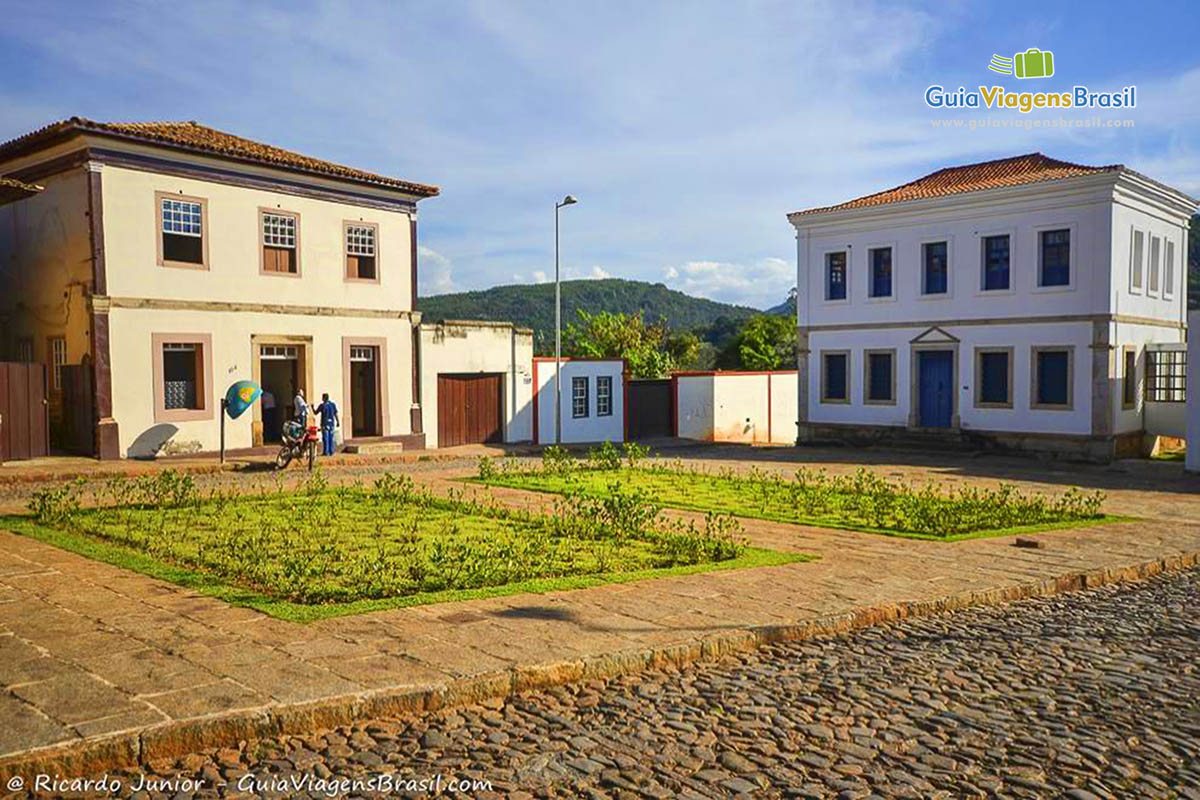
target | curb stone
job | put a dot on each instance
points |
(172, 739)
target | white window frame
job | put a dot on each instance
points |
(604, 399)
(1137, 261)
(1168, 269)
(577, 383)
(869, 272)
(847, 253)
(1072, 258)
(58, 360)
(980, 236)
(1154, 266)
(949, 293)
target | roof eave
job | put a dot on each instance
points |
(832, 214)
(63, 131)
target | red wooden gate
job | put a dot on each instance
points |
(24, 425)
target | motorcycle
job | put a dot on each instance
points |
(298, 441)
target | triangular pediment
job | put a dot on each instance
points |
(934, 335)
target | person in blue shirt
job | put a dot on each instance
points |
(328, 412)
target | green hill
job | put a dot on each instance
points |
(532, 305)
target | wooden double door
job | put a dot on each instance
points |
(470, 409)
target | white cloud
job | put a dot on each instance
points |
(761, 284)
(434, 272)
(539, 276)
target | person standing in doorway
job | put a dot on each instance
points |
(300, 408)
(329, 422)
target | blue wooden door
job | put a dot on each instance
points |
(936, 376)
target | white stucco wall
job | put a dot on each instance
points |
(1022, 338)
(479, 347)
(591, 428)
(1193, 395)
(233, 240)
(1100, 211)
(695, 411)
(751, 407)
(232, 359)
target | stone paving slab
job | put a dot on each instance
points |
(99, 665)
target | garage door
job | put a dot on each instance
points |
(470, 409)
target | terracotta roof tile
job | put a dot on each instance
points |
(201, 138)
(1015, 171)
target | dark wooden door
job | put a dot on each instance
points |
(470, 409)
(24, 424)
(651, 409)
(78, 429)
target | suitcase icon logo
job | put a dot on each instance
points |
(1033, 63)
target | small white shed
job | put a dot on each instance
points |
(593, 400)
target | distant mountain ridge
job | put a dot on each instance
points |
(532, 305)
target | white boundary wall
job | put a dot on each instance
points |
(1193, 394)
(751, 407)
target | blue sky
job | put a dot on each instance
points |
(687, 129)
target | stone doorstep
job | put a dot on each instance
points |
(180, 737)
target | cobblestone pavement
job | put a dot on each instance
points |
(1091, 694)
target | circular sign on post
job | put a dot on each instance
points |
(241, 396)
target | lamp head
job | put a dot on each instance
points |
(569, 200)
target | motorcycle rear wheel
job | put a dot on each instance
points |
(312, 455)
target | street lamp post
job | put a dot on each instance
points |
(567, 201)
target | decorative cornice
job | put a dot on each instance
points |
(103, 303)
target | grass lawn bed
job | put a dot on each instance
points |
(326, 551)
(863, 502)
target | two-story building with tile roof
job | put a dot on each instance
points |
(1017, 302)
(171, 259)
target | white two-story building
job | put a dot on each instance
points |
(1012, 302)
(163, 261)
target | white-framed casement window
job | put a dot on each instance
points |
(935, 268)
(1152, 271)
(58, 358)
(1053, 377)
(835, 376)
(879, 377)
(996, 255)
(280, 242)
(880, 282)
(1054, 258)
(836, 276)
(362, 251)
(993, 377)
(1137, 261)
(182, 365)
(579, 397)
(182, 231)
(1168, 284)
(1129, 377)
(604, 404)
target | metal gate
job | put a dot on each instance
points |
(24, 416)
(651, 409)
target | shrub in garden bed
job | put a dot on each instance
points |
(863, 500)
(391, 539)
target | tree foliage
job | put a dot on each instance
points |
(765, 342)
(645, 346)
